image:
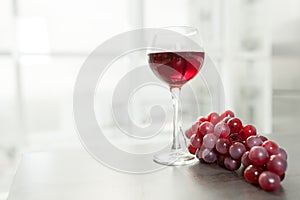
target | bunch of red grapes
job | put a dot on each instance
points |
(224, 140)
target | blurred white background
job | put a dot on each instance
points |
(43, 43)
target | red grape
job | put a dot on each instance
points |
(194, 128)
(245, 159)
(258, 155)
(206, 127)
(253, 141)
(235, 125)
(222, 145)
(231, 164)
(248, 130)
(263, 138)
(202, 119)
(213, 117)
(209, 140)
(222, 129)
(199, 153)
(227, 113)
(209, 156)
(196, 141)
(269, 181)
(236, 150)
(277, 165)
(226, 119)
(282, 153)
(271, 147)
(251, 174)
(192, 149)
(188, 133)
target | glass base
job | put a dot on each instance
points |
(174, 158)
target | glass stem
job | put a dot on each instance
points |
(177, 118)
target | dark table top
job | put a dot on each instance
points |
(74, 174)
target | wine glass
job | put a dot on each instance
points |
(175, 65)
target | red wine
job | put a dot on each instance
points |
(176, 68)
